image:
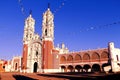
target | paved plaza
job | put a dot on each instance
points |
(59, 76)
(26, 76)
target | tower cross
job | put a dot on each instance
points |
(48, 5)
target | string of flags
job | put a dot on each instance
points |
(100, 27)
(56, 10)
(22, 7)
(60, 6)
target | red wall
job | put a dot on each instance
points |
(24, 60)
(47, 54)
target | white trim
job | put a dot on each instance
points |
(47, 39)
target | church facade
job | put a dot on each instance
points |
(40, 55)
(32, 45)
(38, 52)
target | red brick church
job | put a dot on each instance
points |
(40, 54)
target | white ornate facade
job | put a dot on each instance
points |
(33, 42)
(48, 26)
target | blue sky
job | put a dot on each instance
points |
(80, 24)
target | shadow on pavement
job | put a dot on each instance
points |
(21, 77)
(84, 76)
(69, 77)
(115, 76)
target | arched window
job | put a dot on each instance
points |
(62, 59)
(77, 57)
(16, 66)
(86, 57)
(104, 56)
(36, 53)
(46, 32)
(95, 57)
(70, 58)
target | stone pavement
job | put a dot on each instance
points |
(60, 76)
(26, 76)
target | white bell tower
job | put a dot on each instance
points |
(48, 25)
(28, 29)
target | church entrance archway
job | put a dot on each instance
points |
(35, 67)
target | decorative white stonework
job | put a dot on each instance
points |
(48, 26)
(62, 49)
(28, 29)
(34, 58)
